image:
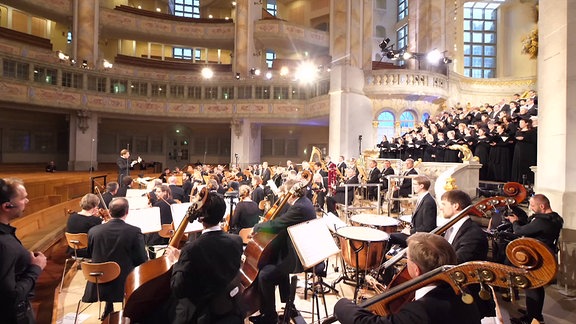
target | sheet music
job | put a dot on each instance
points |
(147, 219)
(138, 202)
(333, 222)
(272, 186)
(178, 213)
(136, 193)
(313, 242)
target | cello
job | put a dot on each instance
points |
(258, 251)
(148, 285)
(516, 193)
(533, 265)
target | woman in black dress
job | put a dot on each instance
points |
(482, 151)
(524, 152)
(247, 213)
(82, 221)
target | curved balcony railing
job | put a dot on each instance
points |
(403, 83)
(42, 80)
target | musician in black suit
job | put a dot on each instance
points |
(405, 185)
(373, 177)
(386, 171)
(111, 190)
(119, 242)
(340, 196)
(544, 225)
(287, 261)
(266, 174)
(203, 278)
(177, 191)
(468, 239)
(435, 303)
(341, 165)
(424, 216)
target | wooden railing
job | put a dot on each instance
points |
(25, 38)
(164, 16)
(180, 65)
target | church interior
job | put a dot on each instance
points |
(182, 83)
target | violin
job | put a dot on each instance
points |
(104, 214)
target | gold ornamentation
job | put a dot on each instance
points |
(450, 184)
(530, 44)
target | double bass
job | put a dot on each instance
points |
(258, 251)
(516, 194)
(534, 265)
(148, 285)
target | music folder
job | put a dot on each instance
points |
(313, 242)
(147, 219)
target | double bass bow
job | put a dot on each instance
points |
(148, 285)
(534, 265)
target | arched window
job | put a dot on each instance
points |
(425, 116)
(407, 121)
(385, 125)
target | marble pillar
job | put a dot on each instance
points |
(556, 92)
(245, 51)
(83, 141)
(86, 31)
(245, 142)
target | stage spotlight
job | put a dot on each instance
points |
(207, 73)
(237, 75)
(446, 60)
(268, 75)
(390, 55)
(434, 56)
(384, 44)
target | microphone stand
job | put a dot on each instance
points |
(359, 145)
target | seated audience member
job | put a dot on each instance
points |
(84, 220)
(51, 167)
(435, 303)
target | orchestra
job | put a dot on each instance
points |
(262, 208)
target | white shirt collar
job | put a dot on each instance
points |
(455, 228)
(423, 291)
(212, 229)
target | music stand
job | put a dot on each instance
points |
(313, 244)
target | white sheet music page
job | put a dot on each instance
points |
(178, 213)
(147, 219)
(313, 242)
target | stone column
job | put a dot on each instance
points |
(247, 12)
(556, 93)
(556, 118)
(351, 112)
(83, 141)
(85, 31)
(245, 141)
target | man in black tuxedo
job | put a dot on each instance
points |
(203, 278)
(340, 196)
(468, 239)
(341, 165)
(405, 185)
(287, 261)
(177, 191)
(386, 171)
(266, 174)
(436, 303)
(424, 216)
(109, 194)
(119, 242)
(373, 178)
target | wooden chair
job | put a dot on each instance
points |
(76, 242)
(98, 273)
